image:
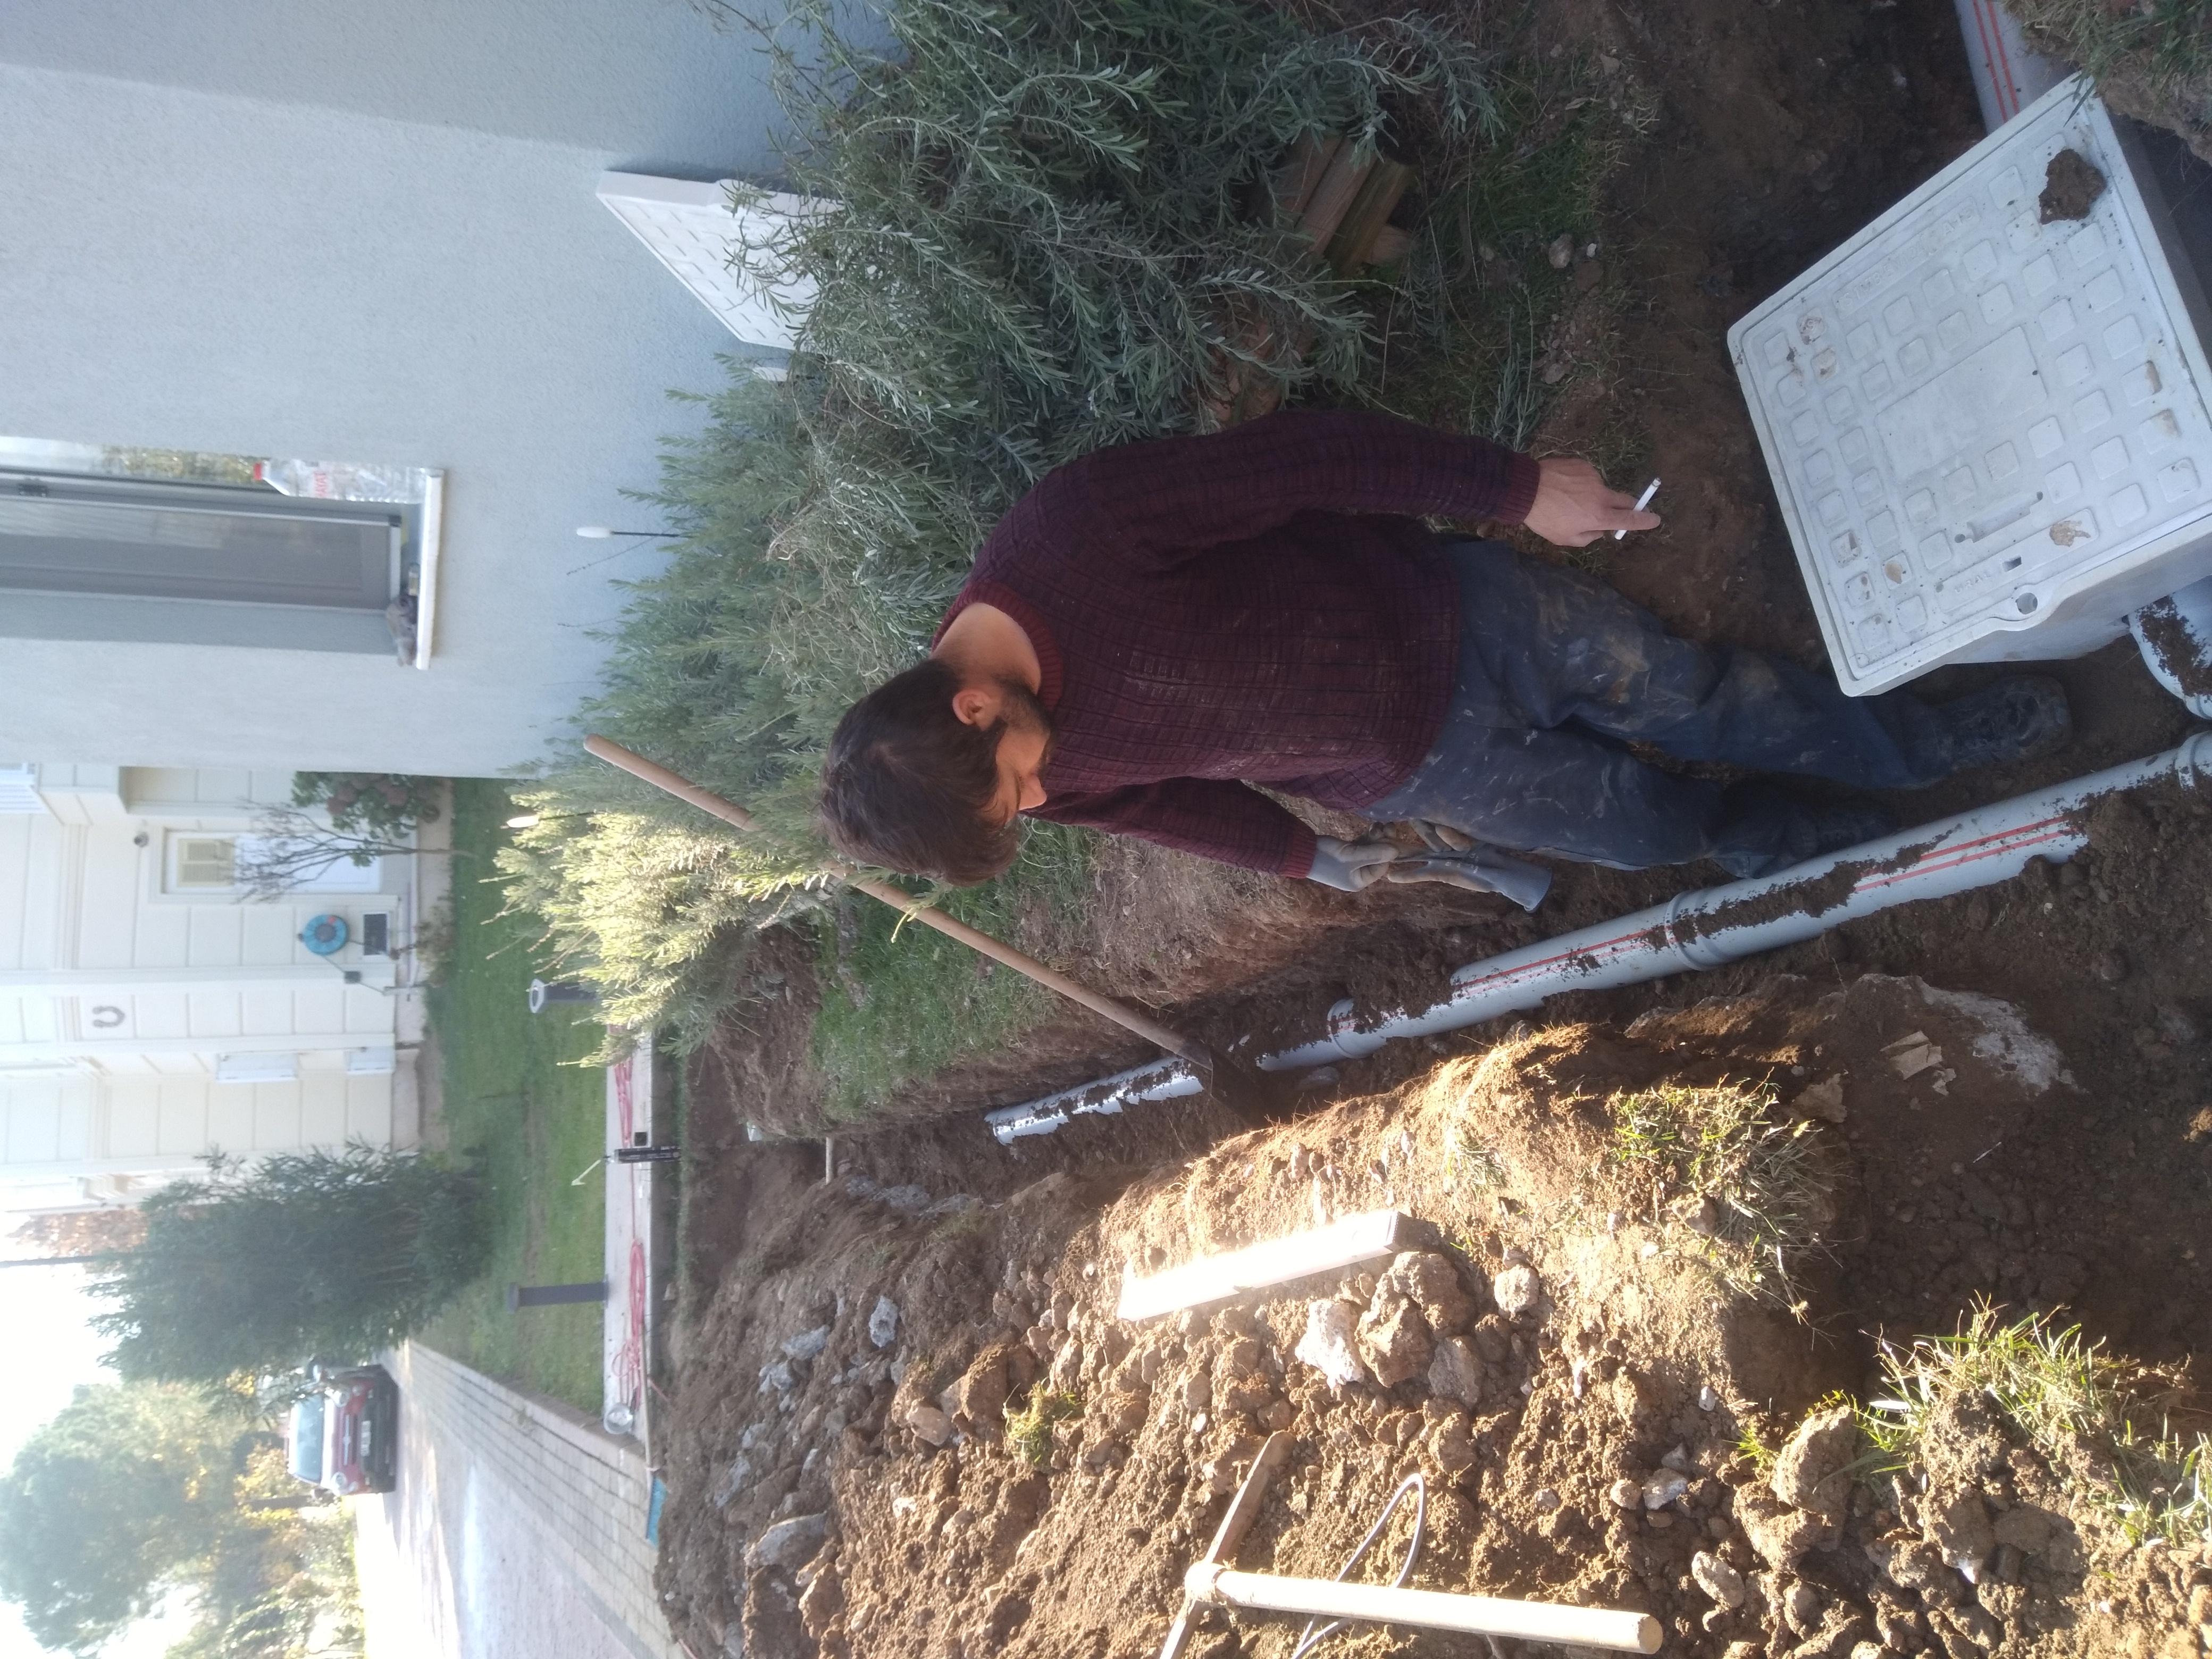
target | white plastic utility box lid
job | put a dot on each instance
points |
(692, 229)
(1988, 433)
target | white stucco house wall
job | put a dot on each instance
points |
(365, 234)
(150, 1013)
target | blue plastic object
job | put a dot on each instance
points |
(325, 935)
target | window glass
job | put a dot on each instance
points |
(209, 864)
(100, 541)
(205, 863)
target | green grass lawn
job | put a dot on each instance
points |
(515, 1101)
(930, 1000)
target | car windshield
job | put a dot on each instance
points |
(307, 1438)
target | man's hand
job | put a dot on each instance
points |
(1573, 507)
(1349, 865)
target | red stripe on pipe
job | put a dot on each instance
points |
(2008, 88)
(1971, 858)
(1993, 59)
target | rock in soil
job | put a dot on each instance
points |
(1328, 1344)
(1811, 1470)
(1517, 1290)
(1717, 1579)
(788, 1545)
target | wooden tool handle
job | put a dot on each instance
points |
(661, 778)
(1236, 1521)
(1021, 962)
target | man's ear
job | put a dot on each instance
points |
(972, 705)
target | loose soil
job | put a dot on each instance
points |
(2071, 188)
(923, 1528)
(1988, 1175)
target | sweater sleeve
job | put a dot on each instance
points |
(1212, 817)
(1173, 498)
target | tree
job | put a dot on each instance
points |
(279, 1582)
(387, 804)
(83, 1232)
(260, 1267)
(289, 849)
(119, 1496)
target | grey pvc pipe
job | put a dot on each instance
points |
(1701, 929)
(1713, 926)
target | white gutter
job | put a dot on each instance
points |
(1702, 929)
(433, 546)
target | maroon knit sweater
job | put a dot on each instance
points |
(1257, 605)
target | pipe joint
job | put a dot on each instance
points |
(1344, 1031)
(1201, 1582)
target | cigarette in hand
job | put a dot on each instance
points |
(1642, 502)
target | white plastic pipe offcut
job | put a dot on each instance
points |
(1702, 929)
(1381, 1604)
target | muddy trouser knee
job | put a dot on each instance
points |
(1557, 672)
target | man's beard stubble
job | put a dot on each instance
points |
(1023, 711)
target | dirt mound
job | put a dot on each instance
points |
(1637, 1268)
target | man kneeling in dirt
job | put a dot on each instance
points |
(1156, 626)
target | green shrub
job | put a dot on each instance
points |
(263, 1267)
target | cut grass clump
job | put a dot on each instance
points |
(1732, 1169)
(2087, 1415)
(2152, 57)
(1029, 1430)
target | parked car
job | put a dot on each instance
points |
(345, 1437)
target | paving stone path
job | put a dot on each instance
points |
(517, 1529)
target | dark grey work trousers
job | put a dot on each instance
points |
(1558, 673)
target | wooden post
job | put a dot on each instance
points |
(546, 1296)
(1243, 1509)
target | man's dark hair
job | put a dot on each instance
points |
(909, 785)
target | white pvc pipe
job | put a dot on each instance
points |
(1158, 1079)
(1381, 1604)
(1701, 929)
(2180, 658)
